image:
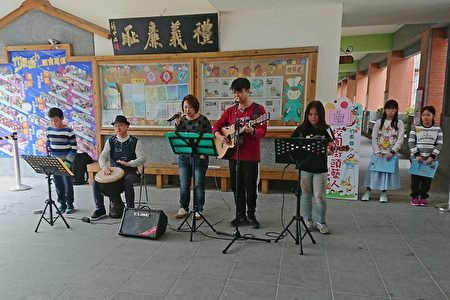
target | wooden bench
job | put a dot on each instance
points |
(162, 171)
(276, 173)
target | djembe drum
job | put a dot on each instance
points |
(112, 186)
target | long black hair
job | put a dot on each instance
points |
(321, 125)
(390, 104)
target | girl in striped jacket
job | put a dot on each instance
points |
(425, 141)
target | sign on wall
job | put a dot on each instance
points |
(31, 84)
(168, 34)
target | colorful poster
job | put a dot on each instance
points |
(278, 84)
(149, 93)
(31, 84)
(343, 164)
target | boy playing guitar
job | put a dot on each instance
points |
(249, 153)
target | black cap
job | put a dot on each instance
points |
(120, 119)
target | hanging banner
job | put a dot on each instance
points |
(343, 165)
(168, 34)
(31, 84)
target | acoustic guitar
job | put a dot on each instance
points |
(225, 150)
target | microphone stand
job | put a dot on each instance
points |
(236, 233)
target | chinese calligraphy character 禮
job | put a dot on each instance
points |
(203, 31)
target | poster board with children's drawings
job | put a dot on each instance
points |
(147, 93)
(422, 169)
(382, 164)
(284, 84)
(35, 79)
(344, 117)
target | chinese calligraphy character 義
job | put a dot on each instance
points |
(130, 37)
(176, 39)
(203, 30)
(153, 37)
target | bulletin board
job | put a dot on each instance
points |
(147, 93)
(284, 84)
(36, 79)
(148, 89)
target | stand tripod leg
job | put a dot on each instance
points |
(51, 220)
(194, 226)
(299, 238)
(59, 216)
(206, 221)
(307, 230)
(237, 235)
(42, 216)
(185, 221)
(284, 230)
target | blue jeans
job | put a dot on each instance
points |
(314, 185)
(185, 173)
(64, 189)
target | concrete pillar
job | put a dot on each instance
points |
(376, 87)
(400, 79)
(351, 88)
(361, 88)
(433, 66)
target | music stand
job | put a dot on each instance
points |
(48, 165)
(194, 144)
(296, 151)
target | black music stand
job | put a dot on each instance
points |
(48, 165)
(194, 144)
(296, 151)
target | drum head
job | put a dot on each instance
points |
(116, 174)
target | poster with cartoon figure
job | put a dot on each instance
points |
(344, 118)
(293, 106)
(278, 83)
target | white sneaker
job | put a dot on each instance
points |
(309, 225)
(323, 228)
(197, 216)
(383, 198)
(181, 213)
(366, 196)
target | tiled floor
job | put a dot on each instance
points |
(375, 251)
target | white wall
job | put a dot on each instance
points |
(318, 25)
(281, 28)
(293, 27)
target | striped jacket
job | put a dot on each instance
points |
(425, 141)
(62, 143)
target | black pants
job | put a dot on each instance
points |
(128, 186)
(420, 186)
(246, 192)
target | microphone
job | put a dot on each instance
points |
(177, 115)
(236, 102)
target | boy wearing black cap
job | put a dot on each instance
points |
(124, 151)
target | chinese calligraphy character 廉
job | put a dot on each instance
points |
(153, 37)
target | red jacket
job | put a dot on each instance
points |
(250, 149)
